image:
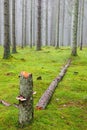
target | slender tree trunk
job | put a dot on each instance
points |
(63, 23)
(82, 20)
(53, 24)
(46, 22)
(23, 24)
(25, 21)
(57, 45)
(31, 27)
(38, 46)
(6, 30)
(33, 22)
(74, 27)
(13, 29)
(52, 14)
(79, 24)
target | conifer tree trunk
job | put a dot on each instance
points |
(38, 46)
(74, 27)
(82, 20)
(47, 22)
(25, 43)
(79, 24)
(53, 23)
(33, 22)
(63, 23)
(23, 23)
(13, 29)
(31, 27)
(6, 30)
(58, 22)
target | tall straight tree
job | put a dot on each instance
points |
(23, 23)
(13, 28)
(53, 23)
(74, 27)
(38, 45)
(31, 27)
(46, 22)
(33, 21)
(82, 20)
(6, 30)
(63, 23)
(58, 22)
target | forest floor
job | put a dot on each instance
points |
(67, 109)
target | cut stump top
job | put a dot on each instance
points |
(25, 74)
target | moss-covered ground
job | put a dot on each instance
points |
(67, 109)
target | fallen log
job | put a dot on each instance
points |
(44, 100)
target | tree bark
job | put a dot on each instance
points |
(63, 23)
(13, 29)
(46, 22)
(23, 24)
(82, 20)
(6, 30)
(44, 100)
(58, 22)
(53, 23)
(38, 46)
(74, 27)
(31, 27)
(33, 22)
(25, 99)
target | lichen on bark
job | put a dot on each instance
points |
(26, 107)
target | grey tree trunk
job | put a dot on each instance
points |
(31, 27)
(53, 23)
(47, 22)
(58, 22)
(74, 27)
(13, 29)
(38, 46)
(25, 99)
(63, 23)
(6, 30)
(33, 22)
(23, 23)
(82, 20)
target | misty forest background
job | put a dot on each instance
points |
(26, 22)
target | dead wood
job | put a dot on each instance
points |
(5, 103)
(44, 100)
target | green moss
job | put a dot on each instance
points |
(67, 109)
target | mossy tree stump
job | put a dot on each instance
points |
(25, 99)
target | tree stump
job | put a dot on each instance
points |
(25, 99)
